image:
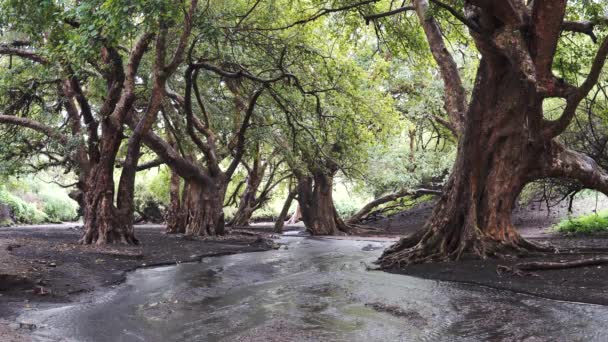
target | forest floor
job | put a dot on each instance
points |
(45, 263)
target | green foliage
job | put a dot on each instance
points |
(22, 211)
(152, 190)
(33, 201)
(347, 200)
(587, 224)
(393, 167)
(58, 207)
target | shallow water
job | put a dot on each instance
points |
(313, 290)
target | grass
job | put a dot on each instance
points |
(586, 224)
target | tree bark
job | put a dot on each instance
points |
(278, 226)
(203, 209)
(248, 203)
(296, 216)
(363, 212)
(504, 142)
(103, 222)
(497, 156)
(174, 214)
(317, 206)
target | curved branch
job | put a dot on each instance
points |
(388, 198)
(34, 125)
(566, 163)
(15, 51)
(372, 17)
(556, 127)
(240, 144)
(320, 13)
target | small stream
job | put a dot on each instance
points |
(310, 290)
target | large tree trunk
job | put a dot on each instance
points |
(497, 156)
(203, 209)
(103, 222)
(317, 206)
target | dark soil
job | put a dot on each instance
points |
(583, 284)
(45, 263)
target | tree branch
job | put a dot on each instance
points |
(455, 95)
(34, 125)
(372, 17)
(388, 198)
(12, 50)
(556, 127)
(320, 13)
(565, 163)
(240, 145)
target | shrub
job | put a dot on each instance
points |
(23, 212)
(58, 207)
(587, 224)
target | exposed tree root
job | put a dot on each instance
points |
(425, 246)
(520, 268)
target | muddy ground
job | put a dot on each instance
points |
(46, 264)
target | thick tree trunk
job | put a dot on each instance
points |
(103, 222)
(317, 206)
(278, 225)
(203, 209)
(497, 155)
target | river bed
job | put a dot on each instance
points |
(309, 290)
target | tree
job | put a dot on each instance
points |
(504, 140)
(58, 39)
(263, 176)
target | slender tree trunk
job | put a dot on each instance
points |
(496, 156)
(297, 215)
(316, 203)
(203, 209)
(174, 214)
(278, 226)
(248, 203)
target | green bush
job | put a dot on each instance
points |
(58, 207)
(23, 212)
(586, 224)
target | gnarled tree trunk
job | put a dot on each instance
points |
(317, 206)
(103, 222)
(497, 156)
(504, 139)
(203, 209)
(296, 216)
